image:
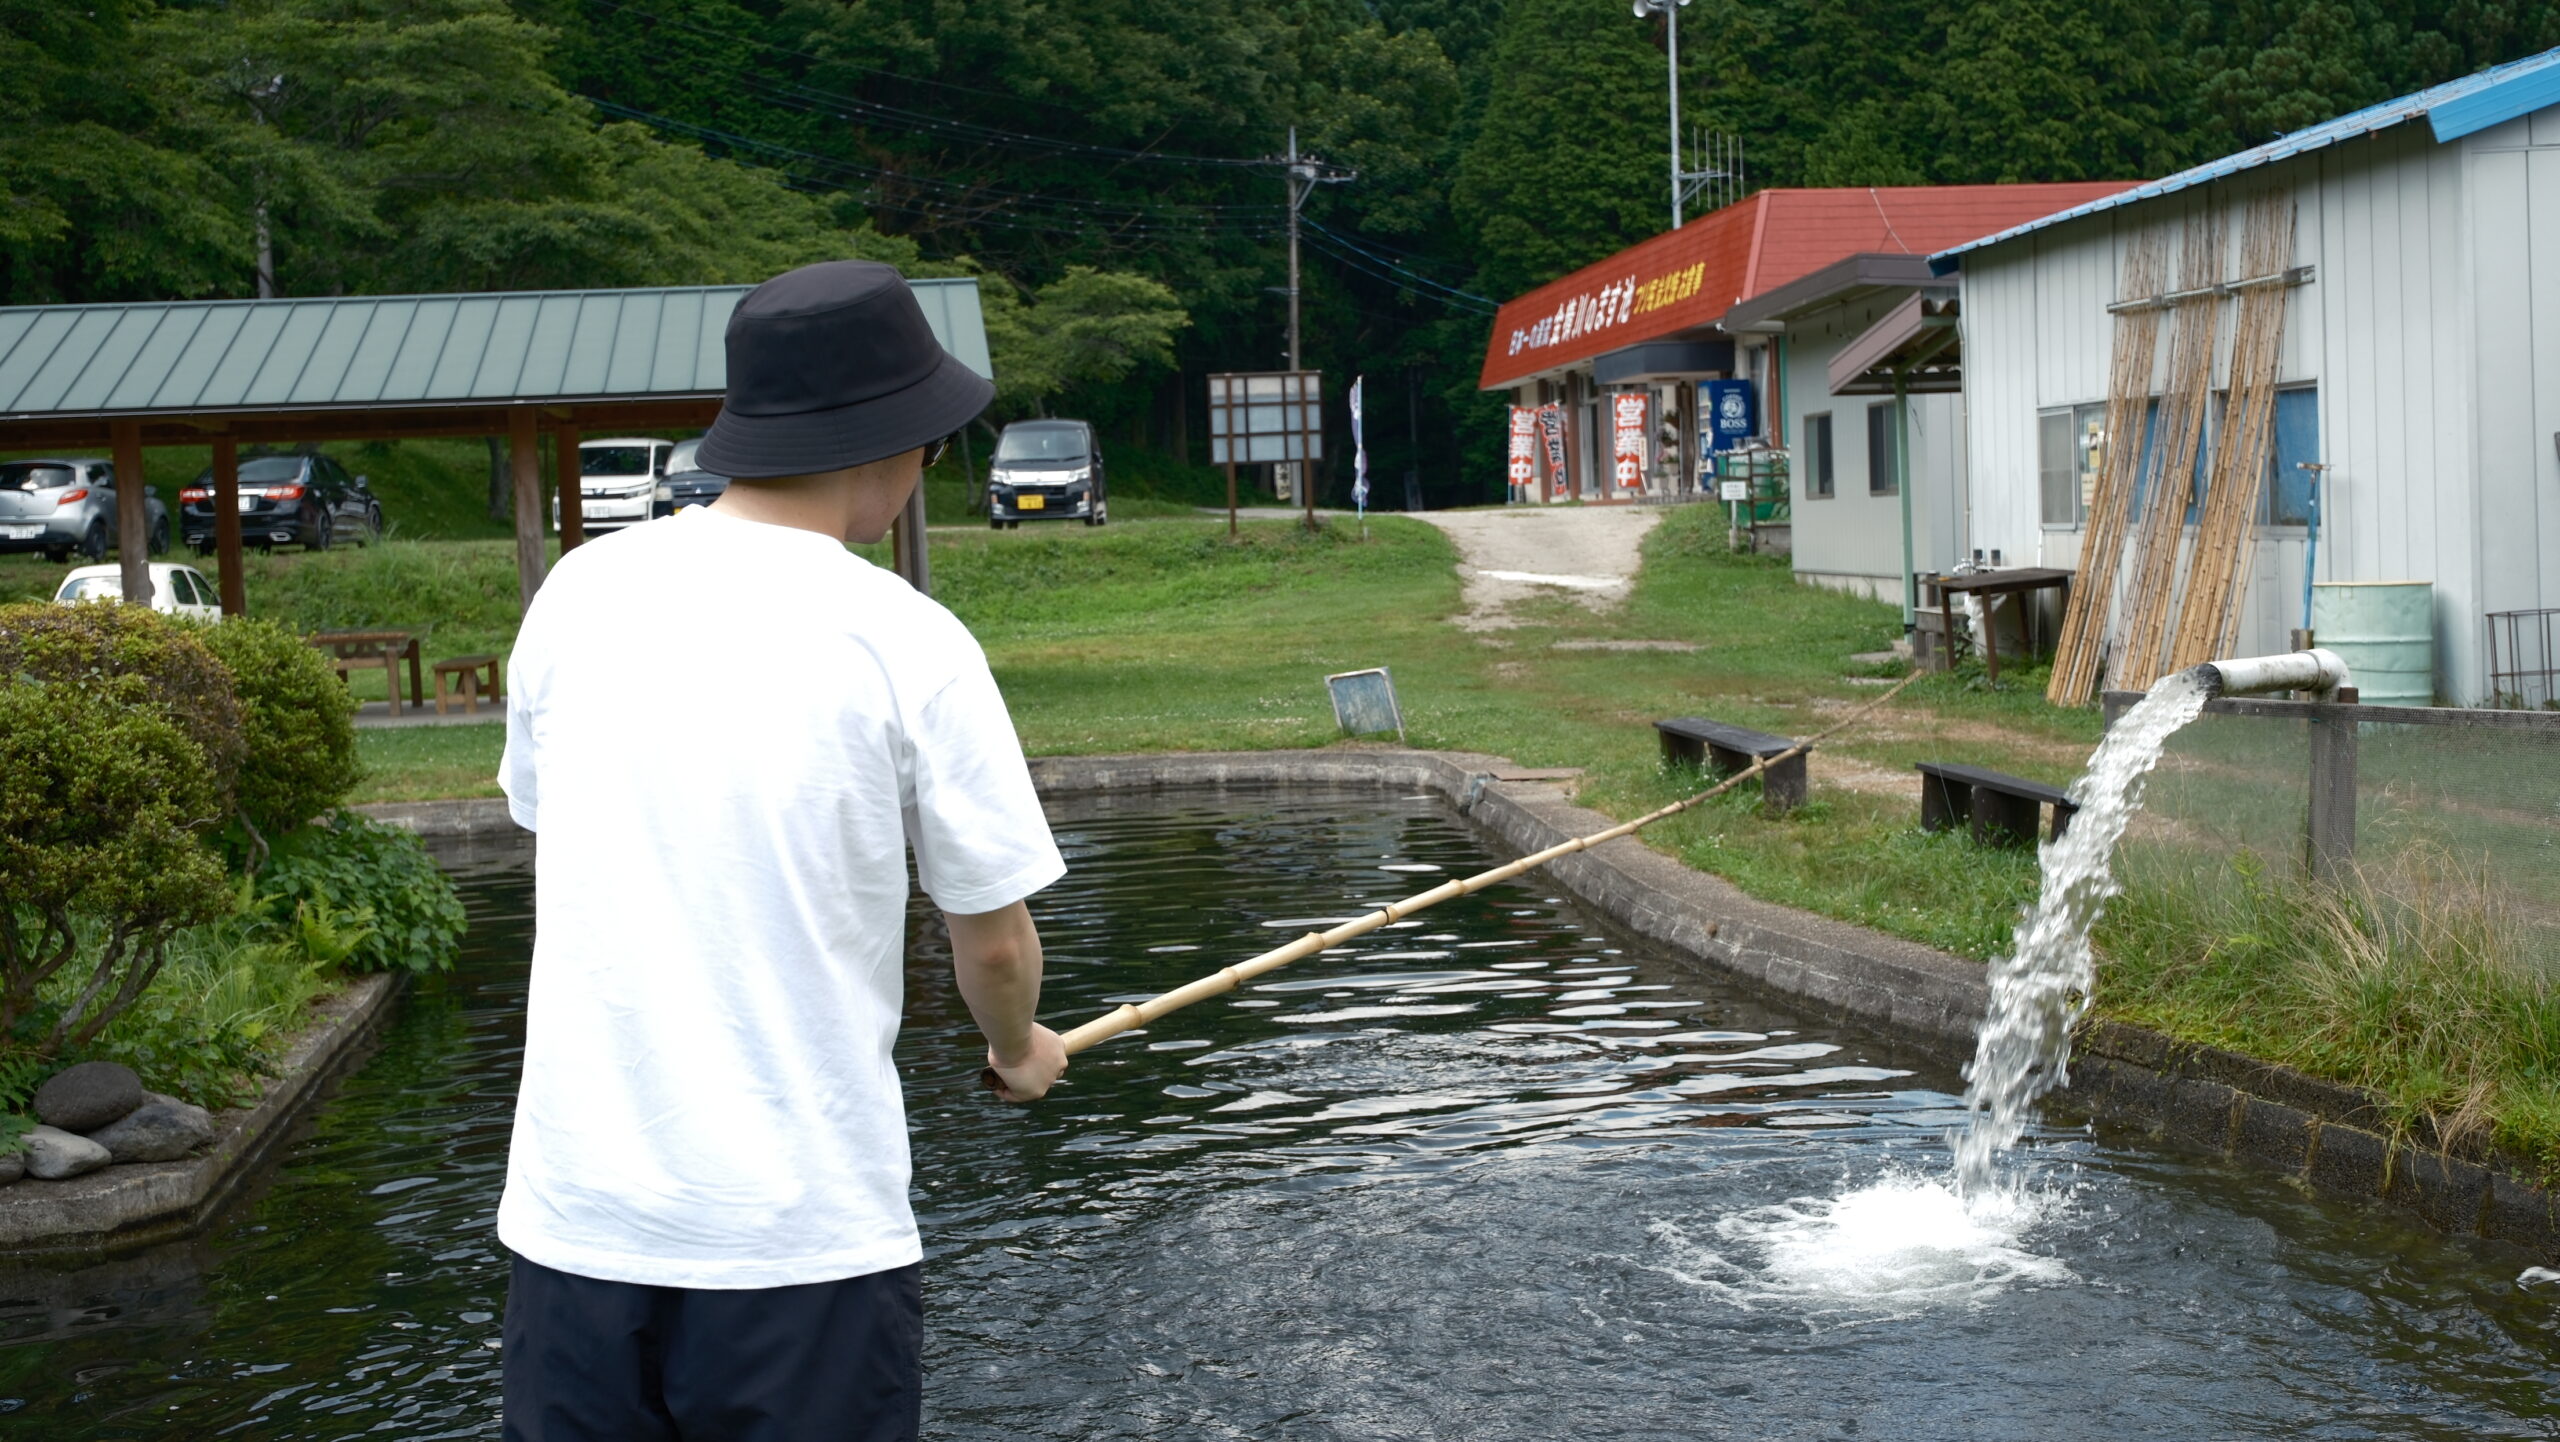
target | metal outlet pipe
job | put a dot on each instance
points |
(2318, 671)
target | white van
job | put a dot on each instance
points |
(618, 480)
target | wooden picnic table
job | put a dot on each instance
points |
(353, 650)
(1988, 584)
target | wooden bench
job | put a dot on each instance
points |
(1723, 750)
(2003, 809)
(467, 679)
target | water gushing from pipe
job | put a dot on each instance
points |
(2040, 990)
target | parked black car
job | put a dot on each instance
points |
(686, 484)
(1047, 471)
(308, 501)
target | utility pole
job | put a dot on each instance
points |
(1299, 185)
(1304, 174)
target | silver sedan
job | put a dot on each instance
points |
(62, 506)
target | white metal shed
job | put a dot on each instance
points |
(2420, 360)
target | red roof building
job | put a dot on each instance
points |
(1698, 359)
(1681, 282)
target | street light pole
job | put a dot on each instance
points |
(1669, 10)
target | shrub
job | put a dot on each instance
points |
(297, 722)
(104, 807)
(380, 878)
(130, 656)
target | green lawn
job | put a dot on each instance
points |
(1166, 636)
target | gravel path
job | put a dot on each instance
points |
(1586, 552)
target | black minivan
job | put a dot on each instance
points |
(1047, 471)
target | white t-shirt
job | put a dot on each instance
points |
(726, 735)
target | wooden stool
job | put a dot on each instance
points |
(472, 678)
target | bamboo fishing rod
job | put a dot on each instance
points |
(1131, 1015)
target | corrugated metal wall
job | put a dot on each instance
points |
(2514, 186)
(2431, 329)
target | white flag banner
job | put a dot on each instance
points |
(1359, 454)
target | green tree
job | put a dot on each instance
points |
(1086, 329)
(1570, 164)
(94, 203)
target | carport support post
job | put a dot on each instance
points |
(907, 545)
(133, 513)
(1902, 483)
(569, 486)
(524, 458)
(226, 526)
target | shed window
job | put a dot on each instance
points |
(2297, 444)
(2071, 449)
(1817, 456)
(1881, 434)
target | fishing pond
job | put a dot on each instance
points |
(1490, 1173)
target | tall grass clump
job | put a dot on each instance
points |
(2413, 979)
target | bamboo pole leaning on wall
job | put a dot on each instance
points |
(2151, 594)
(2227, 525)
(2137, 341)
(1129, 1016)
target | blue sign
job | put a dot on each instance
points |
(1732, 410)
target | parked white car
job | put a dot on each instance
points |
(618, 480)
(175, 590)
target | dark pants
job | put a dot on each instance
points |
(591, 1361)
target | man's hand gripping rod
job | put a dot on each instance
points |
(1130, 1016)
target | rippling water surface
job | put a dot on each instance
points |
(1491, 1174)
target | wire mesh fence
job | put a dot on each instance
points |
(2421, 805)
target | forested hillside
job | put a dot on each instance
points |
(1101, 164)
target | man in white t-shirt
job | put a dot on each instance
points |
(727, 732)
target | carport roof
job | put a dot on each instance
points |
(64, 368)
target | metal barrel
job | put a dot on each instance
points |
(2385, 632)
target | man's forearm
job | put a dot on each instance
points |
(995, 956)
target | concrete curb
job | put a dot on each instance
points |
(2330, 1138)
(132, 1206)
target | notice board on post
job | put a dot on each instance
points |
(1267, 418)
(1260, 417)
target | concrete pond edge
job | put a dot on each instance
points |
(2330, 1139)
(118, 1208)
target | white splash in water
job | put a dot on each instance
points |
(2042, 987)
(1895, 1247)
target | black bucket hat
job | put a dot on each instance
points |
(830, 366)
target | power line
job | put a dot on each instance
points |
(1455, 301)
(1343, 240)
(1165, 217)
